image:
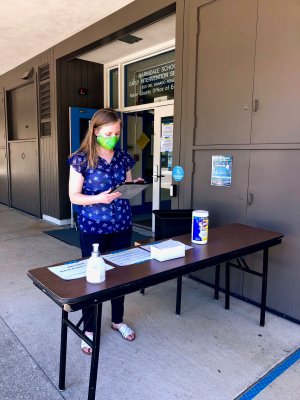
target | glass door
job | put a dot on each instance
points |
(162, 158)
(137, 140)
(148, 138)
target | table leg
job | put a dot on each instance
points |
(178, 295)
(264, 288)
(63, 351)
(217, 281)
(227, 285)
(142, 292)
(95, 352)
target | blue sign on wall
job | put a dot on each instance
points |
(178, 173)
(221, 170)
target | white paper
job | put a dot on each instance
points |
(73, 269)
(128, 257)
(166, 143)
(167, 129)
(165, 245)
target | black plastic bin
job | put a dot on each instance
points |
(172, 223)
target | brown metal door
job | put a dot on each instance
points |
(24, 176)
(4, 198)
(2, 121)
(224, 72)
(277, 78)
(274, 189)
(226, 205)
(21, 105)
(3, 177)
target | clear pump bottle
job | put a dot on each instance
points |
(95, 269)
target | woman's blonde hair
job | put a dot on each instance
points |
(105, 116)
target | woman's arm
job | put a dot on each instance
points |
(129, 178)
(76, 196)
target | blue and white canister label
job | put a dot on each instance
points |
(200, 226)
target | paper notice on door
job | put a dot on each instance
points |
(167, 129)
(221, 171)
(166, 143)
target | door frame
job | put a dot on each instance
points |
(159, 113)
(161, 110)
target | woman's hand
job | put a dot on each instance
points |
(139, 180)
(129, 178)
(106, 197)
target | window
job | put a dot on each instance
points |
(114, 88)
(150, 80)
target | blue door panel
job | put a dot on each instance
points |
(79, 121)
(76, 115)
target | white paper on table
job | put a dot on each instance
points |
(73, 269)
(127, 257)
(167, 244)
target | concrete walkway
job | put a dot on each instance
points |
(206, 354)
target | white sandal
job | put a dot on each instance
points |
(125, 332)
(86, 349)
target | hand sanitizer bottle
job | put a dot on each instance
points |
(95, 268)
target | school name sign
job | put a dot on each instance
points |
(145, 85)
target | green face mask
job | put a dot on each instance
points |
(109, 142)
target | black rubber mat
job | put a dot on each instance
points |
(71, 236)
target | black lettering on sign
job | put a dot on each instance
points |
(145, 85)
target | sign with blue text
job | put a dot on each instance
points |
(178, 173)
(221, 170)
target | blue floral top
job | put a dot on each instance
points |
(103, 218)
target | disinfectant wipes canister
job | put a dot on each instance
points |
(199, 226)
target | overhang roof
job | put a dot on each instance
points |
(29, 27)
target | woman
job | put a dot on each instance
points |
(103, 217)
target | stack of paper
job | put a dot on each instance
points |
(168, 250)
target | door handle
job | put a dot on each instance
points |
(255, 107)
(23, 156)
(250, 198)
(155, 173)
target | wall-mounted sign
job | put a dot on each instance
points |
(151, 79)
(178, 173)
(221, 170)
